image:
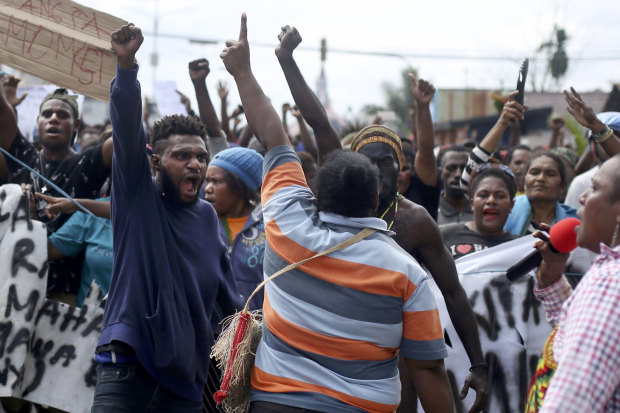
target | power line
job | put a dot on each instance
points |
(388, 54)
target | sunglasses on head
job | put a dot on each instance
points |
(498, 166)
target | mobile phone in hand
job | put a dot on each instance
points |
(521, 80)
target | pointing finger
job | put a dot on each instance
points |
(243, 33)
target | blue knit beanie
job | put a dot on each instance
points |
(246, 163)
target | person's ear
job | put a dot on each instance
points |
(156, 160)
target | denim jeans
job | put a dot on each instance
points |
(127, 387)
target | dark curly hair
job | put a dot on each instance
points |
(347, 184)
(175, 125)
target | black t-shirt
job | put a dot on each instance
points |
(79, 175)
(424, 195)
(461, 241)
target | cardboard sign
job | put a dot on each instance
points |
(60, 41)
(46, 347)
(511, 323)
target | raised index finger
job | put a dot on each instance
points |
(243, 33)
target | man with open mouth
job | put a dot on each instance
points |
(81, 175)
(170, 265)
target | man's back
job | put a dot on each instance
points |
(335, 325)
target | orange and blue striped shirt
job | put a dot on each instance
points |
(334, 327)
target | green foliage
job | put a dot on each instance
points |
(557, 58)
(399, 98)
(575, 128)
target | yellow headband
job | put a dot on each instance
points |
(374, 133)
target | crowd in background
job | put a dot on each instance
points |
(442, 203)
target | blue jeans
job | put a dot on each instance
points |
(127, 387)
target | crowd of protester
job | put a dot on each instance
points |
(228, 199)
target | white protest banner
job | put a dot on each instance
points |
(28, 110)
(46, 347)
(60, 41)
(511, 322)
(168, 100)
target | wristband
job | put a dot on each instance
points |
(603, 135)
(475, 366)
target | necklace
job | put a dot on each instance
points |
(395, 204)
(44, 187)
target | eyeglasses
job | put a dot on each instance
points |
(496, 165)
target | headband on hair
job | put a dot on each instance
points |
(377, 133)
(63, 94)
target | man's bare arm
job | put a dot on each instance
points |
(427, 243)
(425, 162)
(311, 109)
(198, 71)
(8, 120)
(431, 384)
(306, 138)
(258, 110)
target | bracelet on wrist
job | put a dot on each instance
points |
(603, 135)
(606, 137)
(475, 366)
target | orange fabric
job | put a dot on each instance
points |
(235, 225)
(280, 177)
(334, 347)
(273, 384)
(367, 278)
(422, 325)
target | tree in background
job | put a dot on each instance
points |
(557, 58)
(399, 99)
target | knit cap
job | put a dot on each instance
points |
(246, 163)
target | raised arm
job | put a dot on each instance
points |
(586, 116)
(557, 137)
(306, 138)
(222, 91)
(8, 119)
(130, 160)
(425, 162)
(311, 109)
(258, 111)
(512, 111)
(198, 71)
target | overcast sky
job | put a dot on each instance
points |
(477, 28)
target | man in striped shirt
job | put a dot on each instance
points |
(334, 327)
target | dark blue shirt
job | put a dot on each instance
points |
(169, 261)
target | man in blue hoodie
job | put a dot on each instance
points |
(170, 264)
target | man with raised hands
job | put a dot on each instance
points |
(334, 327)
(416, 232)
(170, 264)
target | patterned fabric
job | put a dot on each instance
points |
(333, 327)
(377, 133)
(586, 345)
(540, 381)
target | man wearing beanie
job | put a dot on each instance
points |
(232, 183)
(80, 175)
